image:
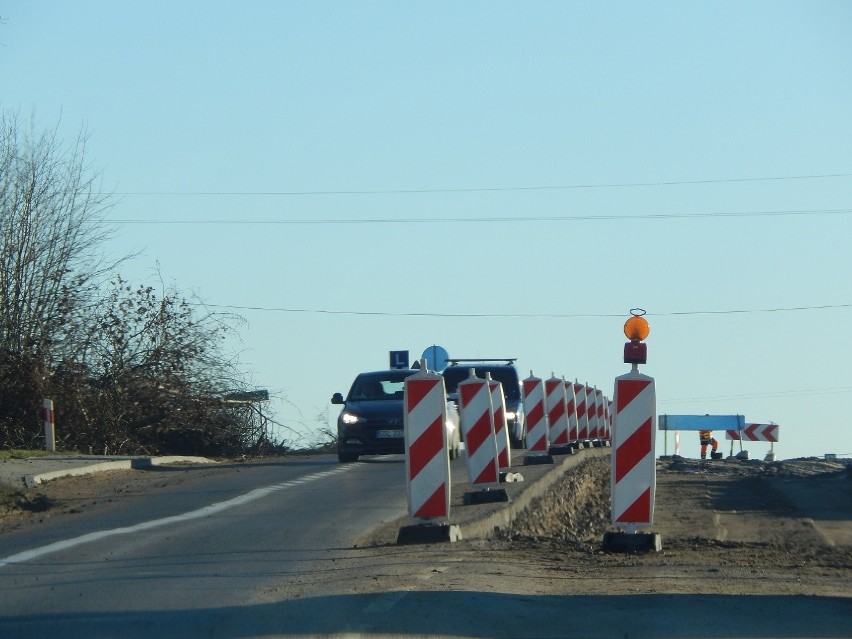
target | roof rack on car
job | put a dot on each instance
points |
(509, 360)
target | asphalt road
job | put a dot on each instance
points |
(207, 556)
(204, 545)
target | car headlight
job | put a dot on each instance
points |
(350, 418)
(510, 415)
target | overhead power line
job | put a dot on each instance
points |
(802, 392)
(507, 219)
(517, 315)
(562, 187)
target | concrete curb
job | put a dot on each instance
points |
(122, 464)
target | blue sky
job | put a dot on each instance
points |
(502, 179)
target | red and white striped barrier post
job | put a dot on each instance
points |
(49, 419)
(582, 418)
(480, 441)
(501, 429)
(591, 413)
(537, 436)
(633, 479)
(599, 409)
(501, 432)
(611, 418)
(571, 411)
(477, 424)
(557, 413)
(427, 459)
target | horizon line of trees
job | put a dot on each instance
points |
(131, 370)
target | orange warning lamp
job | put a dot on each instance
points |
(636, 329)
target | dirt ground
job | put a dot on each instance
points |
(727, 527)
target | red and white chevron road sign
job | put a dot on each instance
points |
(633, 480)
(755, 433)
(592, 412)
(477, 422)
(427, 458)
(582, 418)
(501, 429)
(537, 435)
(571, 410)
(557, 411)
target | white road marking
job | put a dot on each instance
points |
(206, 511)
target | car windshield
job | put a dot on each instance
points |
(388, 385)
(506, 375)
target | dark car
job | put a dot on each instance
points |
(503, 371)
(371, 422)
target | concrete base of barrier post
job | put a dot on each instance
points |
(561, 450)
(631, 542)
(428, 534)
(535, 460)
(489, 496)
(508, 477)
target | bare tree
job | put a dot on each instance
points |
(51, 228)
(51, 231)
(133, 370)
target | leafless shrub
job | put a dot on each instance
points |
(131, 369)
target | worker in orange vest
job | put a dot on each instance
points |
(707, 439)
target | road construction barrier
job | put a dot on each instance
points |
(557, 411)
(755, 433)
(537, 435)
(634, 478)
(501, 428)
(49, 417)
(582, 417)
(571, 410)
(477, 421)
(697, 423)
(427, 459)
(701, 422)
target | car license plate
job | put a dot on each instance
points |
(388, 434)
